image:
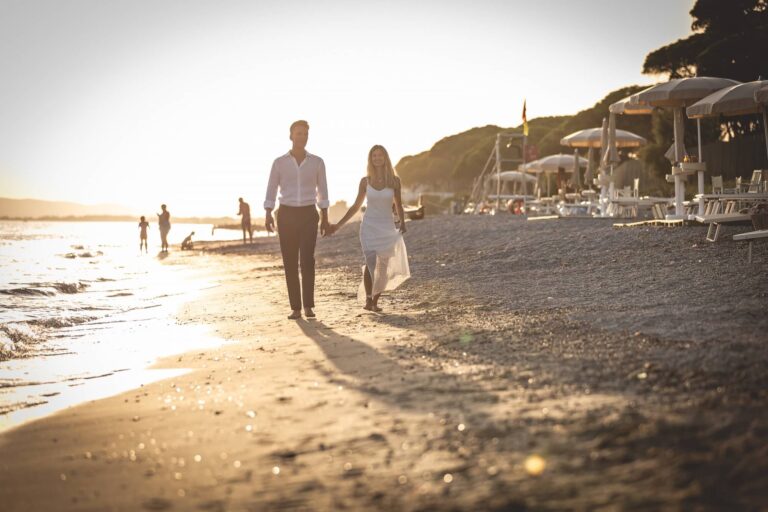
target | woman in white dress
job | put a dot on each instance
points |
(386, 261)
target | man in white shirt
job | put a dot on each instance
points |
(300, 178)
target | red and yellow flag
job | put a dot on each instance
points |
(525, 121)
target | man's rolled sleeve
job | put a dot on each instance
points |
(322, 187)
(274, 180)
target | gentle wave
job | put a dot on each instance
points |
(27, 291)
(18, 339)
(57, 323)
(39, 289)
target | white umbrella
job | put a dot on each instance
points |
(590, 138)
(679, 93)
(761, 96)
(515, 176)
(626, 106)
(576, 174)
(603, 178)
(735, 100)
(552, 162)
(518, 178)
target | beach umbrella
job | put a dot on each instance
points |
(603, 178)
(678, 94)
(591, 138)
(552, 162)
(626, 106)
(519, 178)
(735, 100)
(576, 174)
(761, 96)
(515, 176)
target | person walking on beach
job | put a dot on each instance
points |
(143, 225)
(164, 223)
(300, 178)
(245, 221)
(386, 260)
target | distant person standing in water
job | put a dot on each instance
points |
(245, 221)
(300, 178)
(143, 225)
(164, 223)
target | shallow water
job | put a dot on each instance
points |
(83, 312)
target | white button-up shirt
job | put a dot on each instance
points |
(300, 185)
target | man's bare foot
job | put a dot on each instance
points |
(295, 314)
(375, 308)
(309, 313)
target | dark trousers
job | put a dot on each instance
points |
(297, 229)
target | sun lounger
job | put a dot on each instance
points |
(716, 221)
(749, 236)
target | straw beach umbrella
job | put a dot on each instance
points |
(678, 94)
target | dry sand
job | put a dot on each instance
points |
(563, 365)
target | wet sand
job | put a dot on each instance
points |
(552, 365)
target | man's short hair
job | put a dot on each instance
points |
(300, 122)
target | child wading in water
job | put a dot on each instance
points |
(143, 225)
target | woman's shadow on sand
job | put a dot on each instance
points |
(397, 378)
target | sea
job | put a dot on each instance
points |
(84, 313)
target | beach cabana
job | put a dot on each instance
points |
(678, 94)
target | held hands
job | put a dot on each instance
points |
(325, 228)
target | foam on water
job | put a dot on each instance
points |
(83, 313)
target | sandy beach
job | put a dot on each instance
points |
(549, 365)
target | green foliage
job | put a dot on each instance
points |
(729, 41)
(454, 162)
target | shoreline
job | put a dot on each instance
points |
(473, 390)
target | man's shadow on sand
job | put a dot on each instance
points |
(397, 379)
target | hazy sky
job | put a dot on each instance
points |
(188, 102)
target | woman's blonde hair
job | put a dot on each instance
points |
(391, 179)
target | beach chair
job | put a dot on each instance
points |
(749, 237)
(717, 184)
(659, 211)
(717, 220)
(737, 187)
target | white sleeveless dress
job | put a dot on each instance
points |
(383, 245)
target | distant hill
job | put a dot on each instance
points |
(453, 162)
(35, 208)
